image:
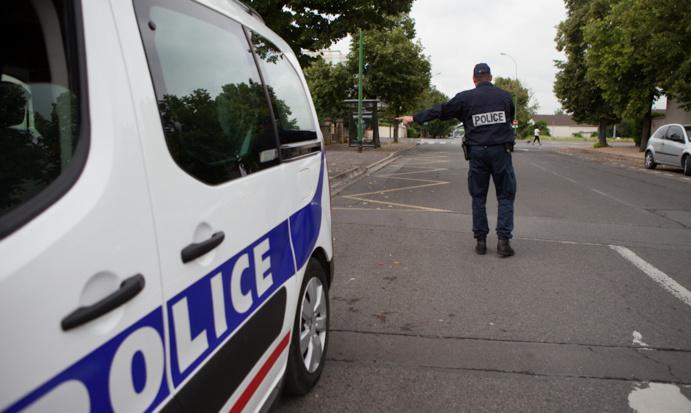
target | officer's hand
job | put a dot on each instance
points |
(407, 120)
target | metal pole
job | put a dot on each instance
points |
(515, 95)
(359, 91)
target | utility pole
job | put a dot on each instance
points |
(359, 91)
(515, 95)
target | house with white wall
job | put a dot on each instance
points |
(564, 126)
(674, 113)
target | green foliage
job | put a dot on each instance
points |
(396, 70)
(578, 94)
(312, 25)
(598, 145)
(637, 51)
(413, 132)
(436, 128)
(525, 106)
(329, 86)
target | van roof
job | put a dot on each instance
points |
(247, 16)
(250, 10)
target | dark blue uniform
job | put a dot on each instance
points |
(486, 113)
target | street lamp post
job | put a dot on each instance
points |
(515, 95)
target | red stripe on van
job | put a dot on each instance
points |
(261, 375)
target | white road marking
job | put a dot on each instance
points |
(573, 181)
(420, 163)
(656, 275)
(638, 339)
(613, 198)
(658, 397)
(560, 241)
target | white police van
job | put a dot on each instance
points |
(165, 228)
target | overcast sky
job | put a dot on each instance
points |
(457, 34)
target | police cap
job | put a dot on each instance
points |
(481, 69)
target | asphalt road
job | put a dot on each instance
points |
(586, 317)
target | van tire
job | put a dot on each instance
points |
(298, 379)
(686, 165)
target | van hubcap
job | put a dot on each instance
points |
(313, 324)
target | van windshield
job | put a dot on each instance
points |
(39, 109)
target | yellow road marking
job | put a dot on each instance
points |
(419, 163)
(384, 191)
(374, 201)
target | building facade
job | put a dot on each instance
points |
(564, 126)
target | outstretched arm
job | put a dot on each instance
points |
(448, 110)
(406, 119)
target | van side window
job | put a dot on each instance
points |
(40, 119)
(214, 113)
(288, 98)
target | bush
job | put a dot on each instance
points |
(578, 135)
(413, 133)
(593, 135)
(598, 145)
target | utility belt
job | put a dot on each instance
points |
(466, 148)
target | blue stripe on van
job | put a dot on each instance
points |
(305, 224)
(93, 371)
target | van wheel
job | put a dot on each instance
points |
(650, 161)
(686, 165)
(310, 332)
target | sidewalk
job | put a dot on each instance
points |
(346, 164)
(619, 153)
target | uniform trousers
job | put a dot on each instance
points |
(494, 161)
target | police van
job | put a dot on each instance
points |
(165, 224)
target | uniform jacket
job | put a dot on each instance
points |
(486, 113)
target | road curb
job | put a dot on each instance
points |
(600, 155)
(345, 179)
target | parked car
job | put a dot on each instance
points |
(165, 223)
(670, 145)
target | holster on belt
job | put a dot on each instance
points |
(509, 146)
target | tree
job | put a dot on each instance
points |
(638, 51)
(329, 86)
(312, 25)
(577, 93)
(436, 128)
(525, 107)
(396, 70)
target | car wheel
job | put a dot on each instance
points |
(686, 165)
(649, 160)
(310, 332)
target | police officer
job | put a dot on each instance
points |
(486, 113)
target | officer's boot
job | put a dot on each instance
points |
(481, 246)
(504, 248)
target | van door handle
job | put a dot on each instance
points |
(196, 250)
(127, 291)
